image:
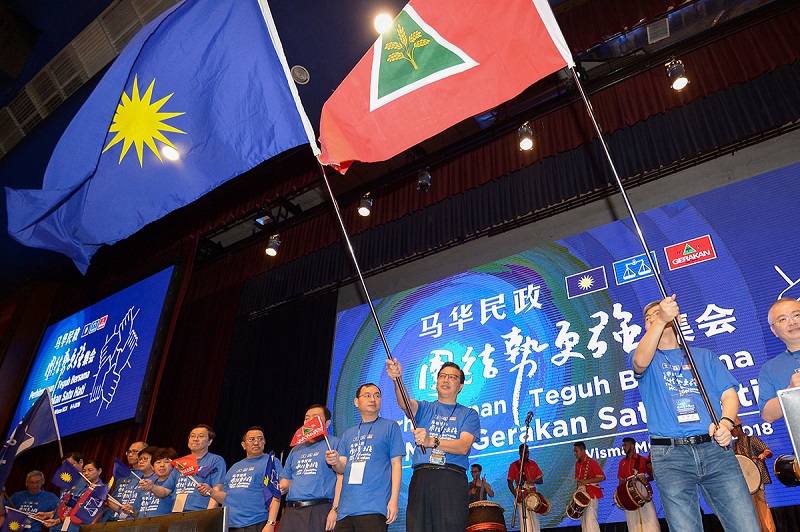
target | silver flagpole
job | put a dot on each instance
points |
(398, 380)
(676, 321)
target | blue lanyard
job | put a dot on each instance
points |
(358, 438)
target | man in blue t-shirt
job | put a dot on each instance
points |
(308, 482)
(783, 371)
(243, 488)
(187, 498)
(686, 448)
(34, 500)
(438, 496)
(369, 459)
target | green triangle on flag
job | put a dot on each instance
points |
(688, 250)
(411, 55)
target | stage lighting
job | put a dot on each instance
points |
(273, 245)
(525, 134)
(383, 23)
(365, 205)
(423, 180)
(676, 74)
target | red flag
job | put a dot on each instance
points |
(186, 465)
(313, 428)
(441, 62)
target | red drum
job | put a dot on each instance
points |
(633, 493)
(486, 515)
(787, 470)
(535, 502)
(580, 500)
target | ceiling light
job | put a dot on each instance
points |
(423, 180)
(525, 134)
(383, 22)
(365, 205)
(273, 245)
(676, 74)
(170, 153)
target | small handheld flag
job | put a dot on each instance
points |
(186, 465)
(90, 505)
(16, 521)
(313, 428)
(67, 476)
(271, 481)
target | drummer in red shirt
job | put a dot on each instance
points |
(644, 518)
(531, 474)
(588, 474)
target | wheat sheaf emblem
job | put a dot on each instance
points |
(406, 46)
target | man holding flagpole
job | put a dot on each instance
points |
(438, 495)
(308, 482)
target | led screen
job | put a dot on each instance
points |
(95, 362)
(549, 331)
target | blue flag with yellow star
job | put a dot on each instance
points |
(16, 521)
(200, 95)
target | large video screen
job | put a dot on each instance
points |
(98, 362)
(549, 331)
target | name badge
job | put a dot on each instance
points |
(686, 410)
(356, 471)
(438, 458)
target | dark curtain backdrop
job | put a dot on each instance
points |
(278, 365)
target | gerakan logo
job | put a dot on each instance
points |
(690, 252)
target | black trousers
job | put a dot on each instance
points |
(438, 501)
(362, 523)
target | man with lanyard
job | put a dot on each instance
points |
(588, 475)
(34, 500)
(644, 518)
(309, 483)
(756, 450)
(531, 474)
(438, 497)
(686, 449)
(187, 498)
(126, 488)
(243, 488)
(479, 489)
(369, 459)
(783, 371)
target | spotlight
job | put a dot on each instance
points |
(365, 205)
(423, 180)
(383, 23)
(525, 134)
(676, 74)
(273, 245)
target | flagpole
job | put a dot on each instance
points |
(55, 421)
(656, 274)
(398, 380)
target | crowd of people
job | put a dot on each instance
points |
(352, 483)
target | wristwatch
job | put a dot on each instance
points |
(273, 523)
(436, 442)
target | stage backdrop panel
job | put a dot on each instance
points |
(99, 363)
(549, 330)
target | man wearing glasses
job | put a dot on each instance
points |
(686, 449)
(187, 498)
(308, 482)
(783, 371)
(369, 459)
(243, 488)
(438, 496)
(125, 488)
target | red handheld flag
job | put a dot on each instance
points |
(313, 428)
(186, 465)
(441, 62)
